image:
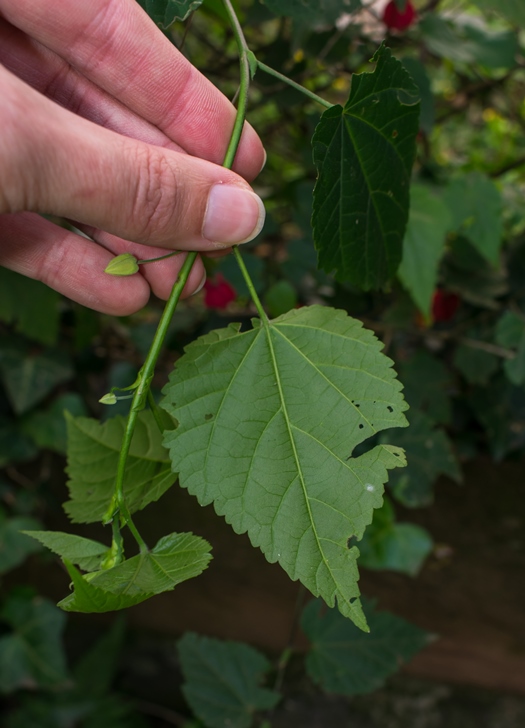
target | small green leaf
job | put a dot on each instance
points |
(96, 670)
(364, 154)
(416, 373)
(32, 654)
(222, 681)
(280, 298)
(175, 558)
(85, 553)
(476, 366)
(122, 265)
(345, 661)
(166, 12)
(429, 455)
(93, 453)
(476, 207)
(252, 61)
(393, 546)
(15, 546)
(268, 421)
(423, 247)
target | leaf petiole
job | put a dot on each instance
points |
(297, 86)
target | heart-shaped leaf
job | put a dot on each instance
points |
(268, 421)
(364, 154)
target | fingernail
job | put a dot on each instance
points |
(200, 286)
(233, 215)
(264, 161)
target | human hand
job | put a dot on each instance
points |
(105, 123)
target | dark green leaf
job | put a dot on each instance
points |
(419, 74)
(510, 333)
(423, 247)
(222, 681)
(348, 662)
(86, 554)
(476, 207)
(428, 385)
(175, 558)
(48, 428)
(364, 154)
(501, 410)
(30, 305)
(512, 10)
(14, 445)
(93, 452)
(467, 41)
(476, 366)
(280, 298)
(31, 655)
(27, 377)
(166, 12)
(95, 672)
(429, 455)
(15, 547)
(394, 546)
(268, 420)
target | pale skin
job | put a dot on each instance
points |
(103, 122)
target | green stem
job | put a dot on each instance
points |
(293, 84)
(244, 84)
(141, 392)
(117, 505)
(249, 283)
(161, 257)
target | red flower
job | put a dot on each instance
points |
(218, 293)
(444, 305)
(394, 19)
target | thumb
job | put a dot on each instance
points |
(57, 163)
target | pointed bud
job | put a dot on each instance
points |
(123, 265)
(108, 398)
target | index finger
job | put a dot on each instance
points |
(116, 45)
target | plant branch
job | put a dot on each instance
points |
(293, 84)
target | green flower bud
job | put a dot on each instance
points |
(108, 398)
(123, 265)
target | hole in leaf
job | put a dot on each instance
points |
(389, 408)
(208, 417)
(352, 540)
(361, 425)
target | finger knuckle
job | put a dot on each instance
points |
(155, 195)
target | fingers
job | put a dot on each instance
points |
(49, 74)
(74, 266)
(56, 162)
(115, 44)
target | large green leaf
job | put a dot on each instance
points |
(268, 420)
(31, 655)
(15, 546)
(364, 154)
(166, 12)
(28, 377)
(423, 247)
(85, 553)
(394, 546)
(345, 661)
(326, 11)
(476, 207)
(429, 455)
(222, 681)
(93, 452)
(175, 558)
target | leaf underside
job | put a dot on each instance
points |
(268, 420)
(364, 154)
(166, 12)
(175, 558)
(93, 453)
